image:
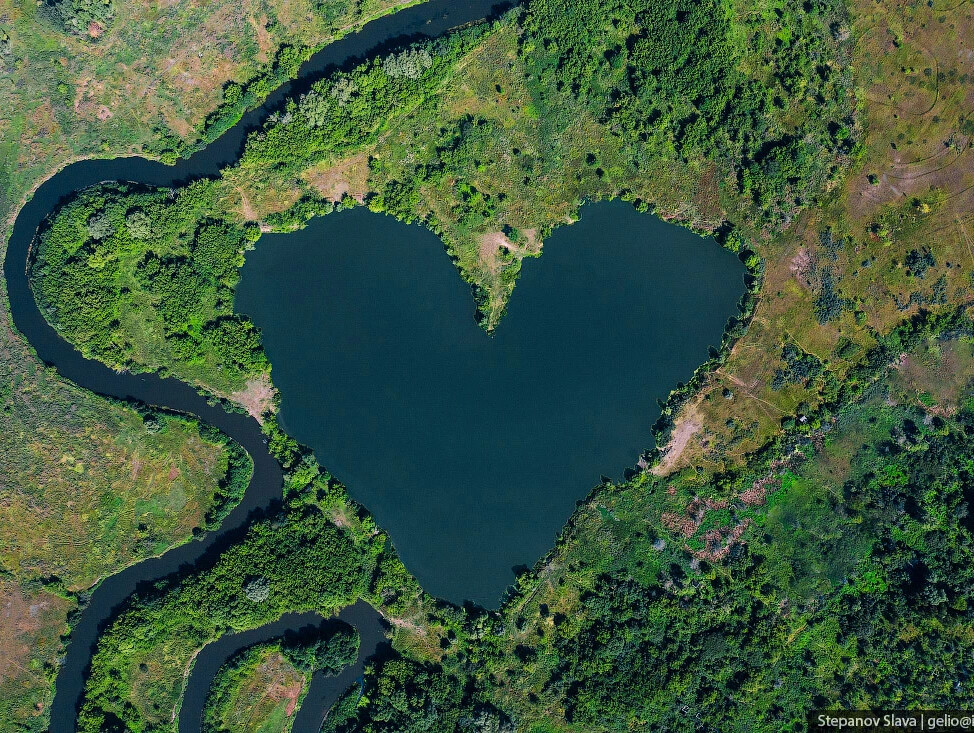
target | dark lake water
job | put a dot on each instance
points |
(471, 449)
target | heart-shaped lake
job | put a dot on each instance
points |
(471, 450)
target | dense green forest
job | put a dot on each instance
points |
(145, 278)
(83, 17)
(705, 78)
(136, 674)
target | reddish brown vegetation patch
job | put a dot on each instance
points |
(718, 542)
(679, 523)
(257, 397)
(292, 694)
(31, 624)
(801, 267)
(758, 493)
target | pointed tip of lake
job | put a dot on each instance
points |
(472, 450)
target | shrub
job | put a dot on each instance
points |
(257, 590)
(411, 63)
(77, 16)
(100, 226)
(139, 225)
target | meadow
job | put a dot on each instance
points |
(263, 691)
(119, 487)
(891, 241)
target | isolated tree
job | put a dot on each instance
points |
(100, 226)
(257, 589)
(411, 63)
(138, 224)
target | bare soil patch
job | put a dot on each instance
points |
(685, 429)
(257, 397)
(291, 693)
(491, 248)
(348, 176)
(265, 42)
(495, 249)
(246, 208)
(801, 266)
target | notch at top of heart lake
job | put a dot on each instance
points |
(472, 449)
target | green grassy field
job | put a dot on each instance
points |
(266, 692)
(150, 80)
(906, 200)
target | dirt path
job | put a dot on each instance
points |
(740, 383)
(678, 442)
(967, 237)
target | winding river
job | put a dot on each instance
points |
(264, 493)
